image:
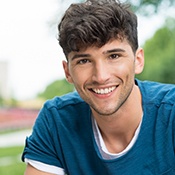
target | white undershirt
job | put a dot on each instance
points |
(101, 145)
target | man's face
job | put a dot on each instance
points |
(104, 77)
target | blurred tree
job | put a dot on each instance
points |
(149, 7)
(57, 88)
(144, 7)
(160, 55)
(1, 101)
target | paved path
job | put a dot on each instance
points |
(14, 138)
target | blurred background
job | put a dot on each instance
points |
(31, 70)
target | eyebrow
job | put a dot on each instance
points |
(114, 50)
(79, 56)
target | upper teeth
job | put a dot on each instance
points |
(104, 91)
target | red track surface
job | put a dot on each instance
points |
(16, 118)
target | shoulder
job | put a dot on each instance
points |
(67, 105)
(69, 99)
(157, 92)
(158, 100)
(65, 109)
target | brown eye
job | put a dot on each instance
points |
(114, 56)
(83, 61)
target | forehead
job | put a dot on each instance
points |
(111, 45)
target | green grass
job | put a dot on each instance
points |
(14, 169)
(11, 151)
(10, 161)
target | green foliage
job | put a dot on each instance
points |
(10, 161)
(148, 7)
(57, 88)
(144, 7)
(160, 55)
(1, 101)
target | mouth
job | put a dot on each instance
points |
(103, 91)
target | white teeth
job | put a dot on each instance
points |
(104, 91)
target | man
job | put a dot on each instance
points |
(114, 124)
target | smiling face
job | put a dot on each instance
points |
(104, 77)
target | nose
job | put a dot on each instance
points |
(100, 73)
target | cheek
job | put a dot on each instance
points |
(124, 69)
(78, 77)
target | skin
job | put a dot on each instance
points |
(110, 69)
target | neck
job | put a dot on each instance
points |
(118, 130)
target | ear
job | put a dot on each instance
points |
(66, 71)
(139, 61)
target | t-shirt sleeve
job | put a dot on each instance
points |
(40, 145)
(45, 168)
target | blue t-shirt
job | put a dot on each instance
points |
(63, 136)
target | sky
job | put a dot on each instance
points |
(29, 43)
